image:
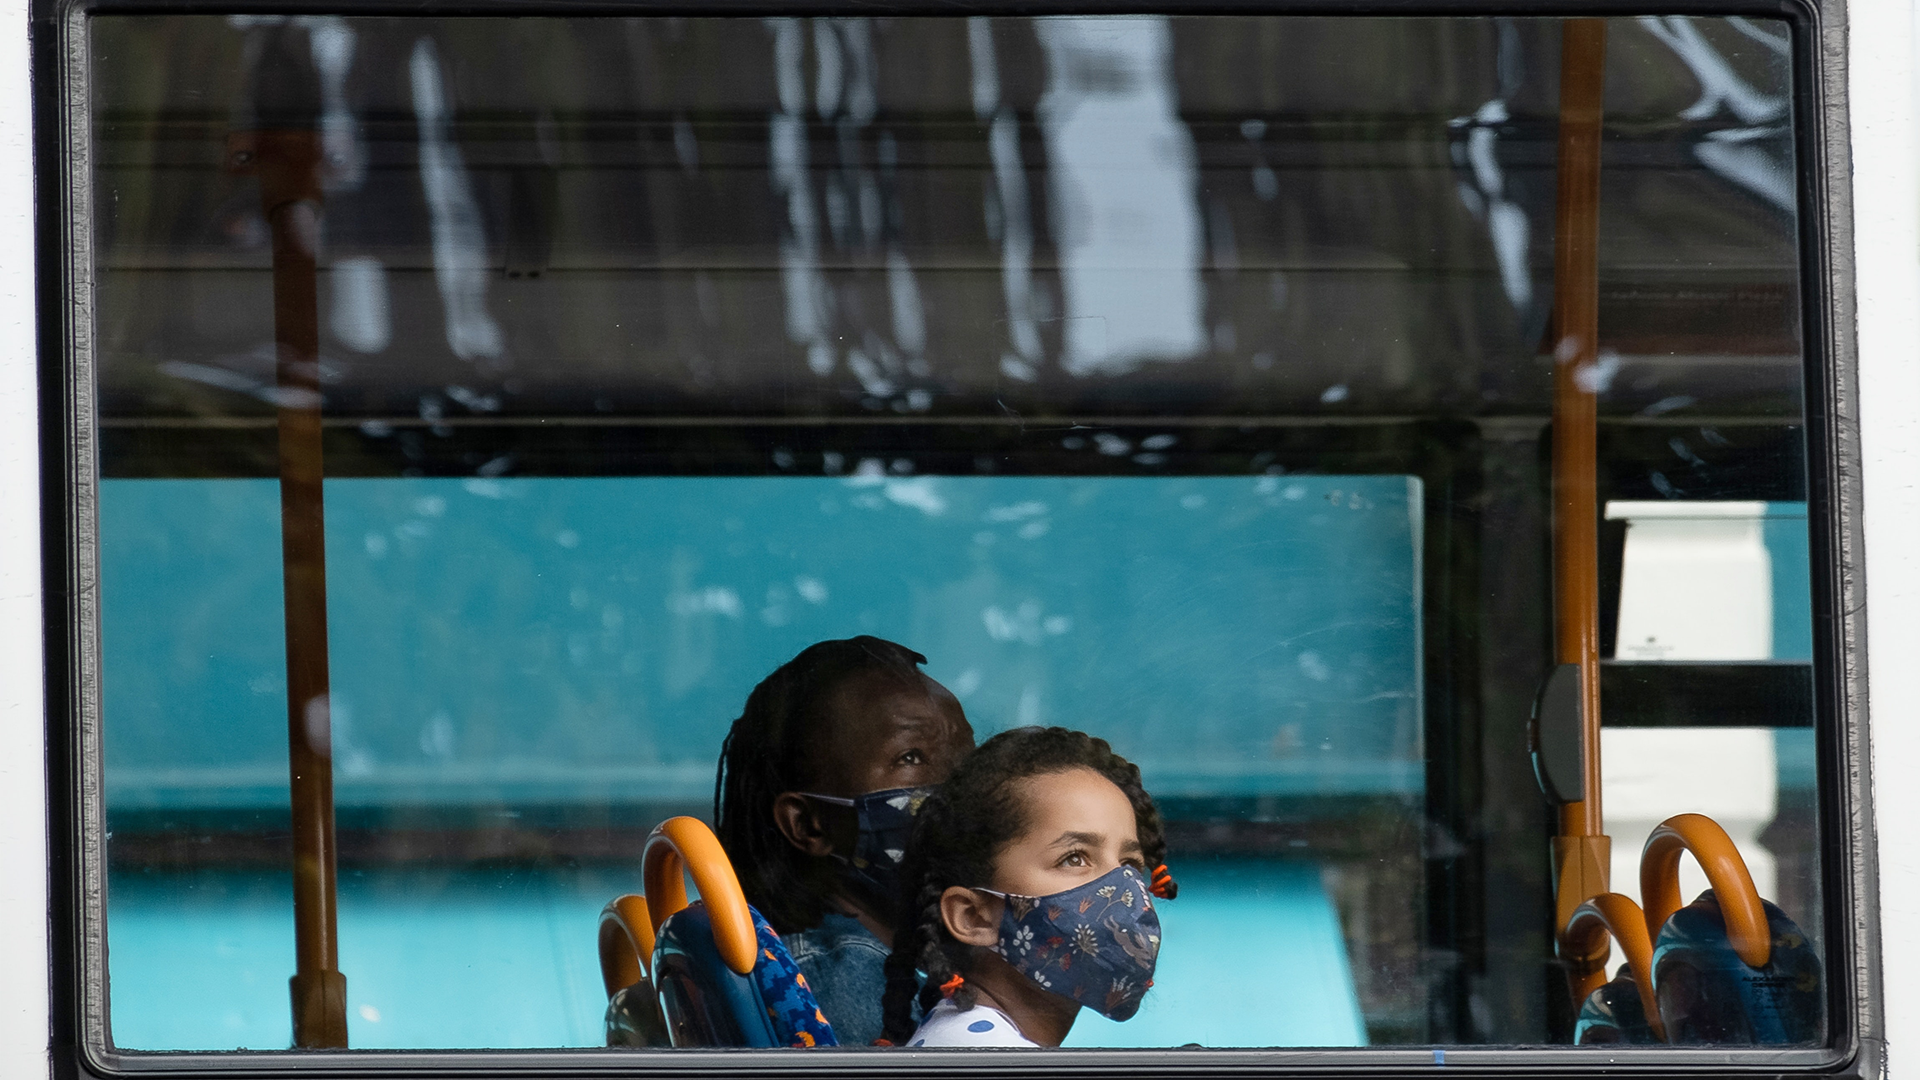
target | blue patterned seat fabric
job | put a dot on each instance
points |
(796, 1016)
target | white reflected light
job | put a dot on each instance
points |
(1125, 218)
(362, 319)
(459, 239)
(1740, 154)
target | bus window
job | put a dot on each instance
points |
(482, 406)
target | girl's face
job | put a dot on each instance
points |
(1079, 826)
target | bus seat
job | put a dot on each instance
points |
(1623, 1010)
(722, 976)
(626, 953)
(1729, 968)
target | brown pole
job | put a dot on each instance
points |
(287, 163)
(1581, 850)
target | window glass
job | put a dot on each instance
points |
(1188, 381)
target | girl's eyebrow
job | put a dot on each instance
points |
(1132, 845)
(1086, 838)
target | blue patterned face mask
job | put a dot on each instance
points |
(880, 845)
(1095, 944)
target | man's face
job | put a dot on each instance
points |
(890, 734)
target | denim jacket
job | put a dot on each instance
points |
(846, 967)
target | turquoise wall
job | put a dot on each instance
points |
(581, 640)
(505, 958)
(541, 640)
(528, 641)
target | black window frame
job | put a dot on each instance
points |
(70, 445)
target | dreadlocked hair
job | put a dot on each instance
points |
(961, 829)
(771, 749)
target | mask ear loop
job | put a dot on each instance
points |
(831, 800)
(839, 800)
(953, 985)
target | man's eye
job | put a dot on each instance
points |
(912, 757)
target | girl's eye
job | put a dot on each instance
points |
(1074, 858)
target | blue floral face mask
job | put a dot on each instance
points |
(1095, 944)
(885, 821)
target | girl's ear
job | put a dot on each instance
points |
(793, 815)
(972, 916)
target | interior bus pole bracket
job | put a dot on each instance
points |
(1581, 852)
(288, 163)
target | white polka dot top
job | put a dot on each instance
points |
(978, 1026)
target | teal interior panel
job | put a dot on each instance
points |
(1784, 532)
(588, 640)
(506, 642)
(506, 958)
(1253, 956)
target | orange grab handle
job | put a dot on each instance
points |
(626, 942)
(684, 845)
(1611, 913)
(1726, 871)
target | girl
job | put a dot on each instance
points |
(817, 784)
(1030, 874)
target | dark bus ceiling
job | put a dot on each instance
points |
(633, 231)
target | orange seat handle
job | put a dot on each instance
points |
(684, 845)
(1746, 920)
(626, 942)
(1611, 913)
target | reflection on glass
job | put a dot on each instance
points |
(1177, 378)
(1122, 173)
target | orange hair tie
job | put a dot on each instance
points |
(1163, 884)
(947, 988)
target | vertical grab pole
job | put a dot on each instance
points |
(288, 165)
(1581, 849)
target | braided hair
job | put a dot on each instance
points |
(771, 749)
(961, 830)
